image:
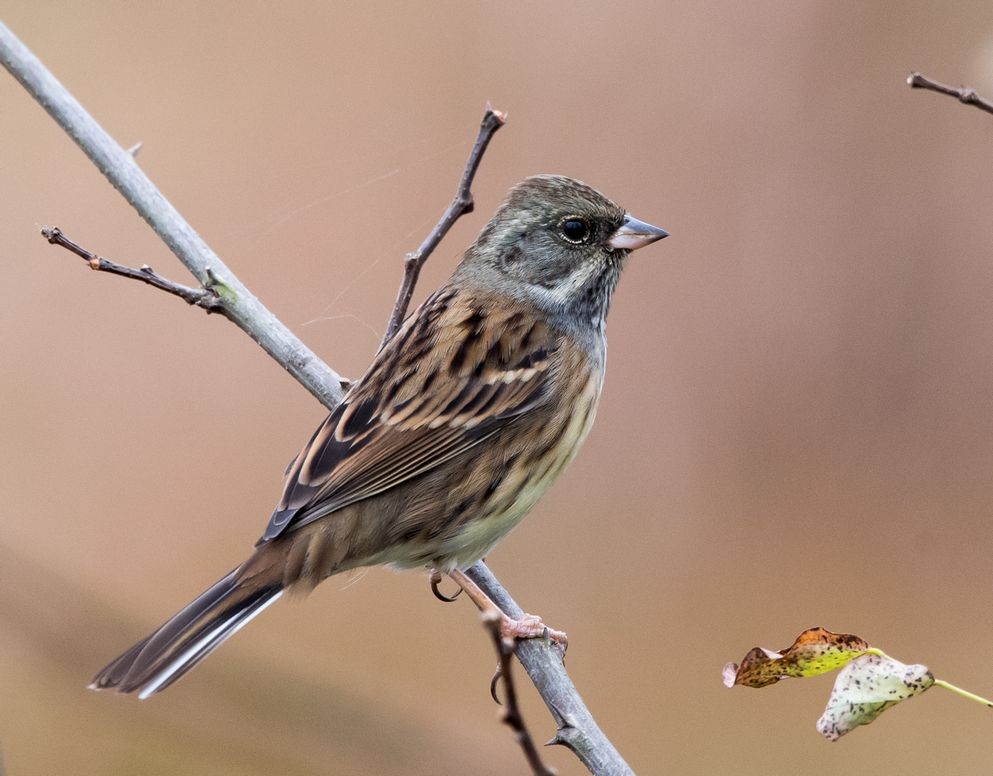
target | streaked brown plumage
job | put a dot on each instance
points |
(460, 424)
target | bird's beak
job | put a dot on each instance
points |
(634, 234)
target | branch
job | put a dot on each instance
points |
(207, 298)
(963, 94)
(512, 716)
(577, 729)
(542, 660)
(120, 168)
(462, 204)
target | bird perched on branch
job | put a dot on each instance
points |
(463, 420)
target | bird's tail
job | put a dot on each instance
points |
(165, 655)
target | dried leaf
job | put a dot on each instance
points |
(815, 651)
(869, 681)
(865, 688)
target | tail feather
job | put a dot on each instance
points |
(201, 643)
(161, 658)
(113, 674)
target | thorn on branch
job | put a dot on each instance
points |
(494, 681)
(213, 283)
(205, 298)
(565, 736)
(963, 94)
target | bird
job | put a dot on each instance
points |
(462, 421)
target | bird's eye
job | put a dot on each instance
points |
(575, 230)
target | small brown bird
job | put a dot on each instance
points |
(461, 423)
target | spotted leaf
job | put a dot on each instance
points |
(814, 652)
(865, 688)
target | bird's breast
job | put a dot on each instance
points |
(526, 471)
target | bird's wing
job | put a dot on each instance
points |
(457, 372)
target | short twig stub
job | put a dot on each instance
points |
(962, 93)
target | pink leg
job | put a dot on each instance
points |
(529, 626)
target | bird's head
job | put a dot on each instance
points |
(560, 244)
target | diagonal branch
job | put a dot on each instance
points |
(963, 93)
(462, 204)
(577, 729)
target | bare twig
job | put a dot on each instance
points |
(511, 714)
(577, 728)
(207, 298)
(462, 204)
(962, 94)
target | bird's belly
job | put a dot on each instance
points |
(523, 485)
(477, 537)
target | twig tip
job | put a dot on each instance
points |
(963, 94)
(499, 116)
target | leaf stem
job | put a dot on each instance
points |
(964, 693)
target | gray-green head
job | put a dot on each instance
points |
(559, 244)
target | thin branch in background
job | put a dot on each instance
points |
(963, 94)
(206, 298)
(462, 204)
(511, 714)
(576, 727)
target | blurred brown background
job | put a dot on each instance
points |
(797, 426)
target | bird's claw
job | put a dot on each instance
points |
(436, 578)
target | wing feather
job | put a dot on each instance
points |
(456, 373)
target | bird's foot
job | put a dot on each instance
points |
(530, 626)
